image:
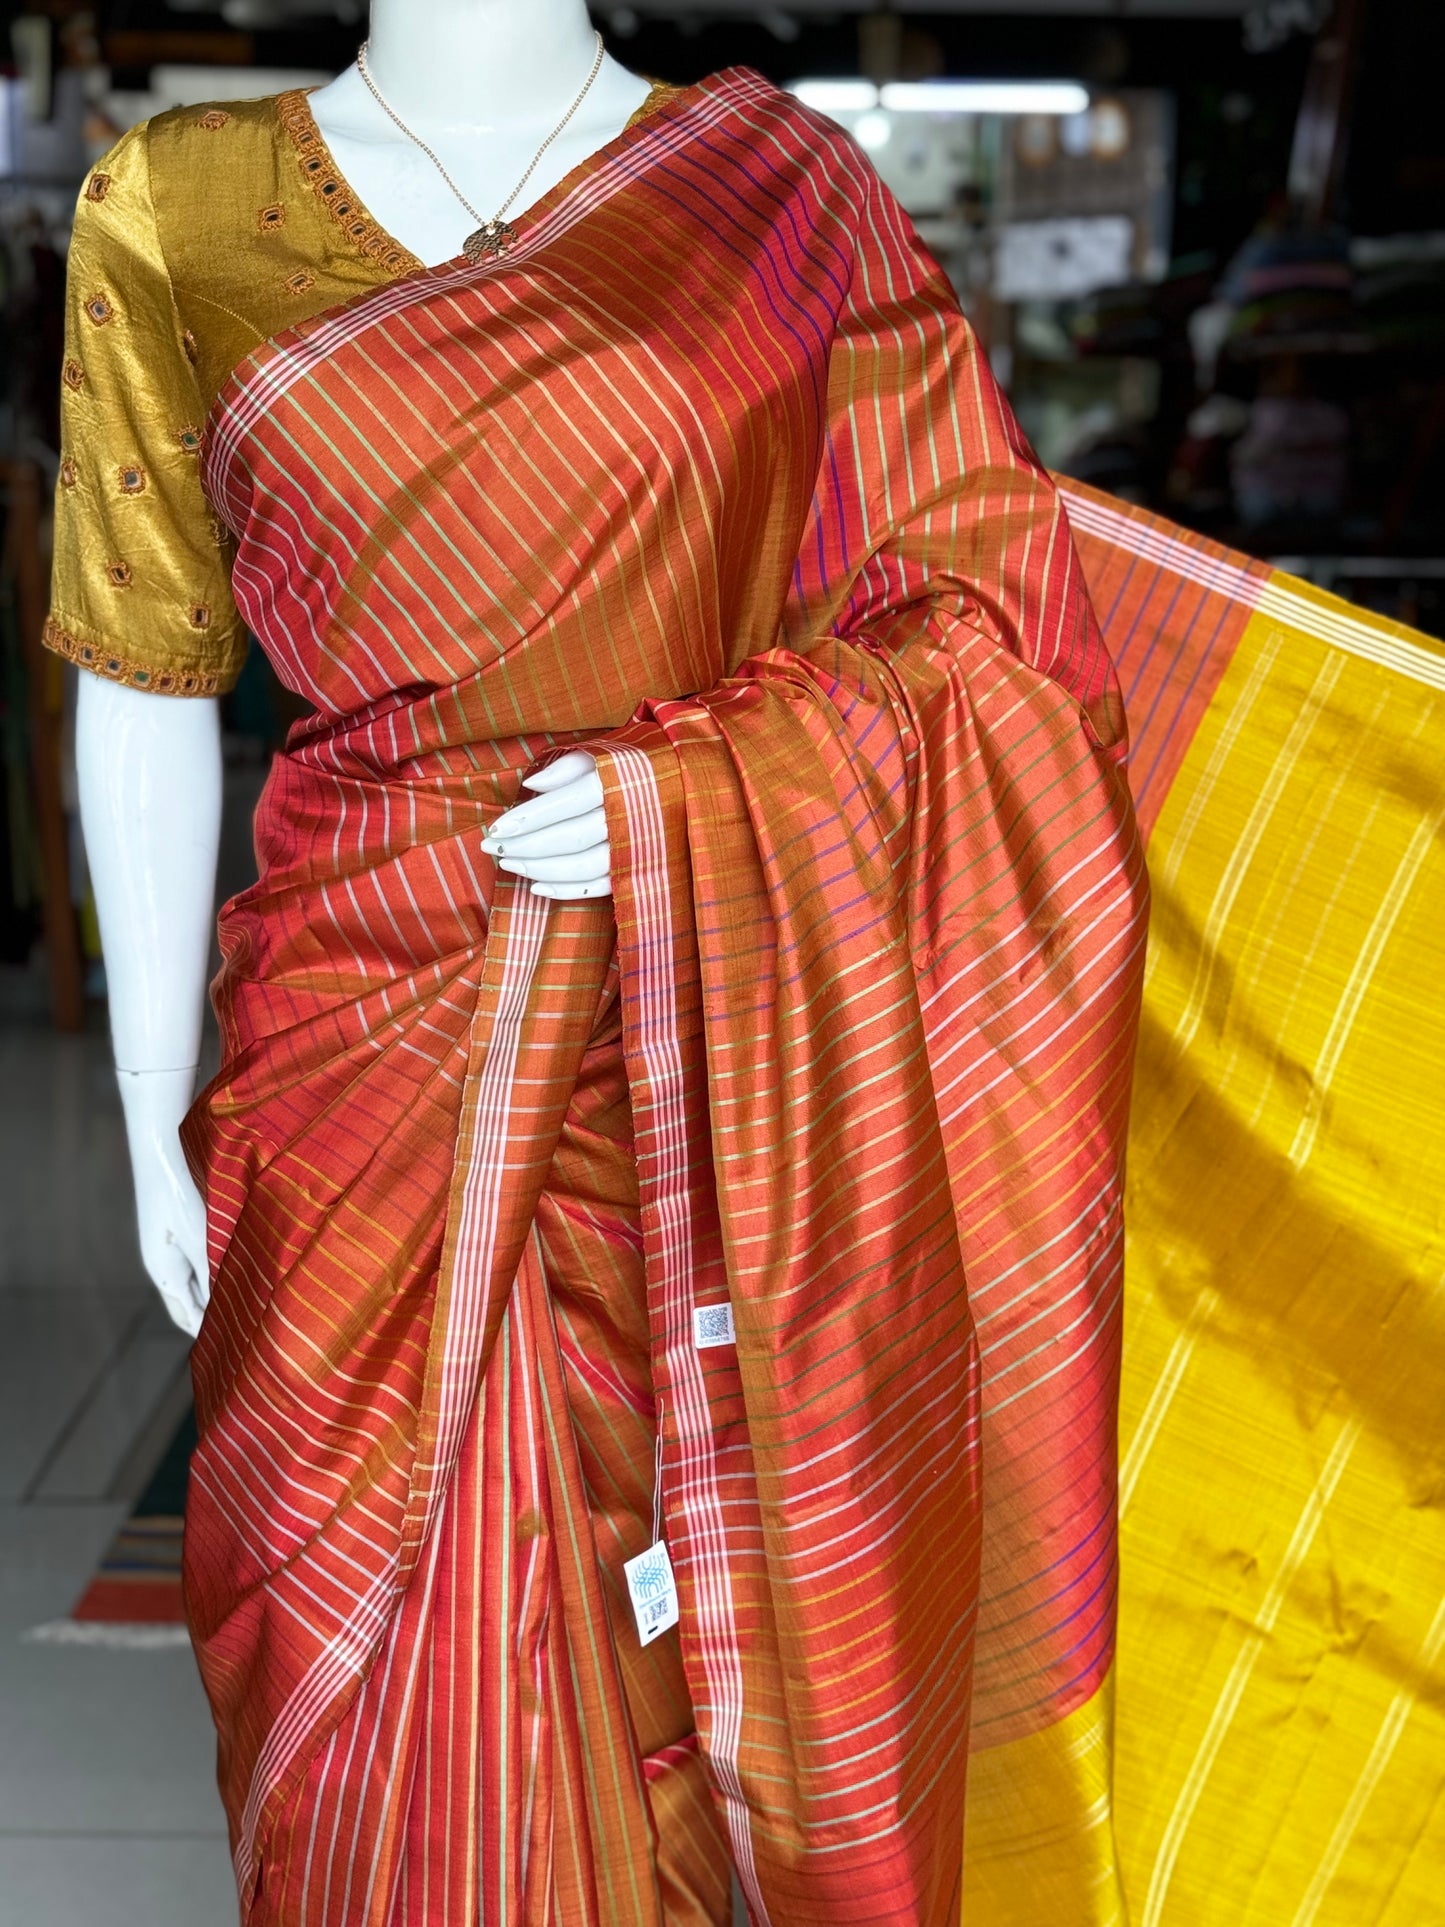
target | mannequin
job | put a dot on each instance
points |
(580, 1279)
(482, 82)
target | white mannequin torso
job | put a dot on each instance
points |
(482, 82)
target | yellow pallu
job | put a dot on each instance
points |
(1280, 1746)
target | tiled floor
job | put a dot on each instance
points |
(108, 1810)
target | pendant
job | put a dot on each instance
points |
(492, 239)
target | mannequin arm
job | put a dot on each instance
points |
(558, 838)
(150, 805)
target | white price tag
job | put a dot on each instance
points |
(713, 1325)
(653, 1592)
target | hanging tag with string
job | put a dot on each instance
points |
(650, 1584)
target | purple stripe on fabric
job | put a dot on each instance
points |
(1206, 659)
(1058, 1695)
(1156, 632)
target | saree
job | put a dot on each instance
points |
(784, 1198)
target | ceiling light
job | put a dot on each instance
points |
(837, 96)
(982, 96)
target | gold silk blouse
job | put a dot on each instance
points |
(200, 235)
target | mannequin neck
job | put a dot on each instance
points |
(465, 62)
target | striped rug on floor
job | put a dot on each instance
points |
(133, 1598)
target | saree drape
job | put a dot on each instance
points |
(709, 475)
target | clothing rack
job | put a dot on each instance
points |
(44, 674)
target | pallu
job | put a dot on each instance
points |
(1280, 1713)
(782, 1196)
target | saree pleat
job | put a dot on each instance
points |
(903, 868)
(795, 1183)
(515, 1602)
(824, 1067)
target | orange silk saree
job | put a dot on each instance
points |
(709, 476)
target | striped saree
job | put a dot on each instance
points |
(707, 475)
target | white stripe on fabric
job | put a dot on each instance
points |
(1256, 1637)
(1340, 629)
(1154, 545)
(697, 1486)
(1337, 627)
(486, 1175)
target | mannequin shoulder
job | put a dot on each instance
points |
(804, 147)
(231, 192)
(184, 156)
(233, 205)
(224, 148)
(179, 174)
(788, 133)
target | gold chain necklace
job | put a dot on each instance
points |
(492, 237)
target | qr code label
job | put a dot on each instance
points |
(713, 1325)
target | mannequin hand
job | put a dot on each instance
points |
(557, 839)
(169, 1208)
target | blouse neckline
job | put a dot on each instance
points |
(366, 234)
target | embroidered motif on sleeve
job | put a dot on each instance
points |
(148, 604)
(172, 682)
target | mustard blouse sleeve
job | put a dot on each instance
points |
(141, 585)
